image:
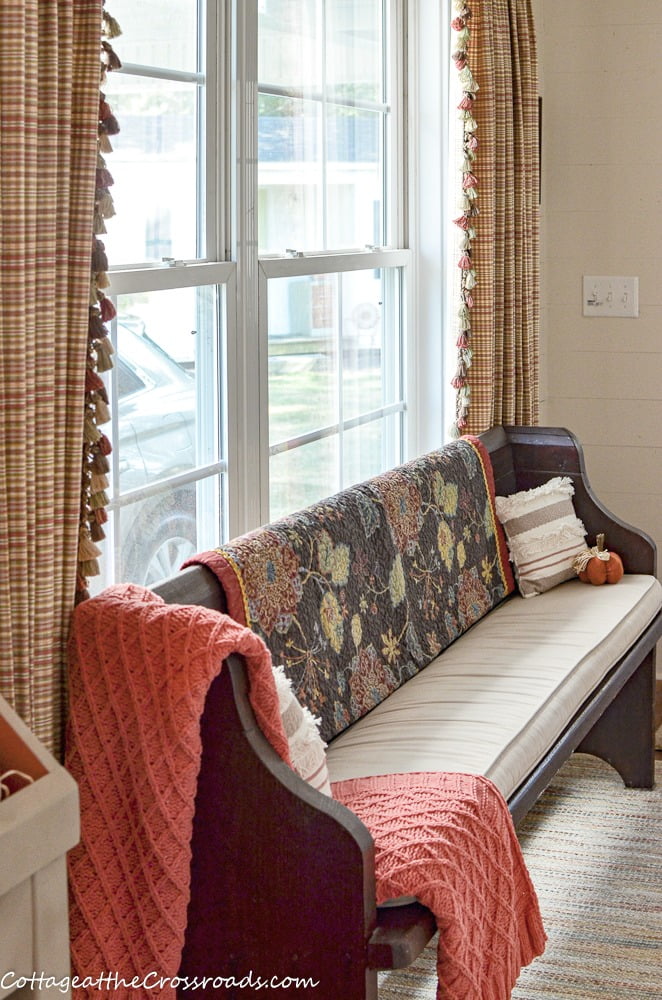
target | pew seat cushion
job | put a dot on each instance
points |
(497, 699)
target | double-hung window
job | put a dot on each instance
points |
(258, 266)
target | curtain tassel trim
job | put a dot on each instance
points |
(469, 187)
(96, 445)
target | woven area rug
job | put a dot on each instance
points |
(594, 851)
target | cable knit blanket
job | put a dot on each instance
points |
(139, 671)
(139, 675)
(449, 840)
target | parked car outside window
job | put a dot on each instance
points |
(156, 420)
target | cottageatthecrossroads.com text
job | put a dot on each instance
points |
(108, 982)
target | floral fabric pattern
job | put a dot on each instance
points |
(271, 577)
(359, 592)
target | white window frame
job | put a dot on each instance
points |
(431, 199)
(418, 238)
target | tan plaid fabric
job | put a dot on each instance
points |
(49, 97)
(505, 319)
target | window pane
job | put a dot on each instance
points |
(302, 391)
(338, 44)
(156, 412)
(155, 536)
(290, 43)
(154, 34)
(291, 185)
(334, 346)
(154, 165)
(303, 365)
(354, 50)
(322, 120)
(169, 424)
(370, 339)
(303, 476)
(354, 178)
(368, 449)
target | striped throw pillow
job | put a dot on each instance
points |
(544, 534)
(307, 748)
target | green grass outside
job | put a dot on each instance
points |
(303, 399)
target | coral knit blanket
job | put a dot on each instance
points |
(449, 839)
(139, 671)
(139, 675)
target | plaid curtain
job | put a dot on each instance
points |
(49, 108)
(505, 320)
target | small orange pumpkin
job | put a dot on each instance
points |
(598, 565)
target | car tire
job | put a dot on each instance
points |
(162, 538)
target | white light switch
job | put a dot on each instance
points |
(610, 296)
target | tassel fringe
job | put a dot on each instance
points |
(460, 24)
(96, 446)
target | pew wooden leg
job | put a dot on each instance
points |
(623, 735)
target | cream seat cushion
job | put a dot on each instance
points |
(496, 700)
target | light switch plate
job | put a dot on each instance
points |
(610, 296)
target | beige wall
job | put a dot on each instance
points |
(601, 79)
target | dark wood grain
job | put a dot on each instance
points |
(282, 878)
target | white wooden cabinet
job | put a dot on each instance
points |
(38, 825)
